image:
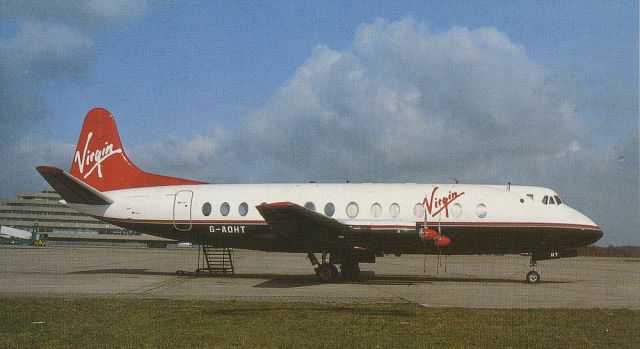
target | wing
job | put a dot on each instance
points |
(287, 219)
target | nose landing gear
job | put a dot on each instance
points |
(533, 276)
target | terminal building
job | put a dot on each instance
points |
(42, 212)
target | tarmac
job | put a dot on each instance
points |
(469, 281)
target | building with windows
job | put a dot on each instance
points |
(43, 212)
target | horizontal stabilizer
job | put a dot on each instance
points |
(289, 219)
(71, 189)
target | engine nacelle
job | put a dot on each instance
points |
(442, 241)
(428, 234)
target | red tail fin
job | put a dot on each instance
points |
(100, 160)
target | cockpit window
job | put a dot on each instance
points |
(558, 201)
(551, 200)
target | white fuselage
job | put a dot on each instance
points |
(377, 204)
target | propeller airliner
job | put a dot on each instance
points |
(346, 223)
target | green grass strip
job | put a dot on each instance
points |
(132, 323)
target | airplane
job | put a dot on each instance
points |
(346, 223)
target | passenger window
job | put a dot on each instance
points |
(545, 199)
(206, 209)
(456, 210)
(310, 206)
(352, 210)
(225, 208)
(418, 210)
(481, 210)
(243, 209)
(394, 210)
(329, 209)
(376, 210)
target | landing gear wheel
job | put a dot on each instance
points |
(327, 273)
(533, 277)
(350, 271)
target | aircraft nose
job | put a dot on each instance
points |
(589, 231)
(591, 236)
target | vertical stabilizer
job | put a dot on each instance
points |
(101, 162)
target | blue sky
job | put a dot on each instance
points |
(206, 79)
(204, 59)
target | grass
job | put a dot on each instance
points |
(63, 323)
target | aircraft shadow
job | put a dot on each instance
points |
(124, 271)
(290, 281)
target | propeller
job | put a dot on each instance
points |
(436, 240)
(424, 243)
(435, 237)
(426, 234)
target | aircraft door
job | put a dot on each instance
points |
(182, 210)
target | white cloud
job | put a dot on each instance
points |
(45, 50)
(403, 103)
(201, 157)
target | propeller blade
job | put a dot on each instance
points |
(438, 263)
(424, 260)
(424, 241)
(446, 261)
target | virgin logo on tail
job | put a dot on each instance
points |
(438, 204)
(96, 157)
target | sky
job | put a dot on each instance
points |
(384, 91)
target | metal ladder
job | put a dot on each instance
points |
(215, 260)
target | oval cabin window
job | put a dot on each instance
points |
(243, 209)
(310, 206)
(481, 210)
(418, 210)
(456, 210)
(394, 210)
(225, 208)
(329, 209)
(376, 210)
(206, 209)
(352, 210)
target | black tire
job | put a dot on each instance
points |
(350, 271)
(327, 273)
(533, 277)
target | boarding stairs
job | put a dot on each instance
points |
(215, 260)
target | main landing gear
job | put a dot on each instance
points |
(533, 276)
(350, 271)
(327, 272)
